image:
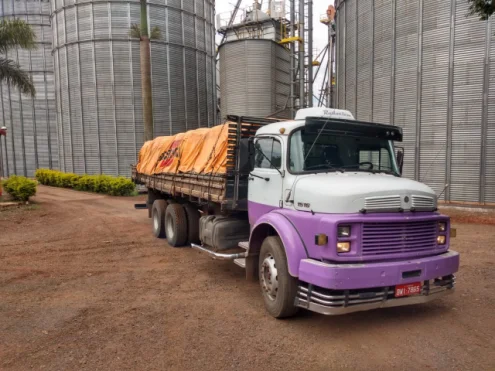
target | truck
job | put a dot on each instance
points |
(315, 209)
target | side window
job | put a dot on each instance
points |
(268, 154)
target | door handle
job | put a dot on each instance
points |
(257, 176)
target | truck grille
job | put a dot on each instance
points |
(423, 202)
(382, 203)
(394, 238)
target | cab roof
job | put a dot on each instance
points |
(300, 119)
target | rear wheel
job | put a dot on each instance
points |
(278, 287)
(192, 216)
(158, 217)
(176, 225)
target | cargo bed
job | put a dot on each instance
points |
(228, 189)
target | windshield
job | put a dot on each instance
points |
(332, 151)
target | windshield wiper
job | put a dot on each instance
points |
(376, 171)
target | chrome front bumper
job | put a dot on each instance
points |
(333, 302)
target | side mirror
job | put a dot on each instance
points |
(400, 158)
(252, 153)
(251, 149)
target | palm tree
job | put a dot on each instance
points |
(141, 32)
(15, 33)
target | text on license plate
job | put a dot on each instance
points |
(408, 289)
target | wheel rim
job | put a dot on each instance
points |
(169, 227)
(156, 222)
(269, 277)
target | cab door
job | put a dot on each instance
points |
(265, 181)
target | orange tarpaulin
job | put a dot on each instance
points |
(200, 151)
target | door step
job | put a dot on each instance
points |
(244, 245)
(241, 262)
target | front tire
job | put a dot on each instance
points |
(278, 287)
(176, 225)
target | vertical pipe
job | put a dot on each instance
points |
(21, 111)
(302, 99)
(167, 46)
(1, 158)
(45, 86)
(484, 118)
(9, 95)
(310, 53)
(112, 81)
(344, 57)
(33, 99)
(184, 69)
(450, 97)
(337, 59)
(392, 78)
(76, 12)
(419, 90)
(292, 58)
(95, 84)
(331, 51)
(356, 49)
(131, 69)
(68, 90)
(372, 60)
(21, 116)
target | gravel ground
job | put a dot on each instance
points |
(85, 285)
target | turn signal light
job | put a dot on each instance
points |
(441, 240)
(343, 246)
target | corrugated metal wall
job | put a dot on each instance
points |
(98, 81)
(426, 66)
(254, 78)
(31, 123)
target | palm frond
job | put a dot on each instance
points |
(16, 33)
(482, 8)
(135, 31)
(11, 73)
(156, 33)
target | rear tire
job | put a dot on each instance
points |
(192, 216)
(278, 287)
(158, 218)
(176, 225)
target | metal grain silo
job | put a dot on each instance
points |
(31, 122)
(254, 68)
(426, 66)
(98, 80)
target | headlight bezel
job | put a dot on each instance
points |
(344, 231)
(442, 227)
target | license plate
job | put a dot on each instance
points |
(408, 289)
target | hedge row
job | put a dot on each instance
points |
(114, 186)
(19, 188)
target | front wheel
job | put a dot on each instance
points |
(278, 287)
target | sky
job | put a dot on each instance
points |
(320, 33)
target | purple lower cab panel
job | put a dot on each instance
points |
(346, 288)
(368, 275)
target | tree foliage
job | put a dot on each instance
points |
(15, 33)
(135, 31)
(482, 8)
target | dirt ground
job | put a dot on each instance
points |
(85, 285)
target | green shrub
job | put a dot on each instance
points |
(114, 186)
(20, 188)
